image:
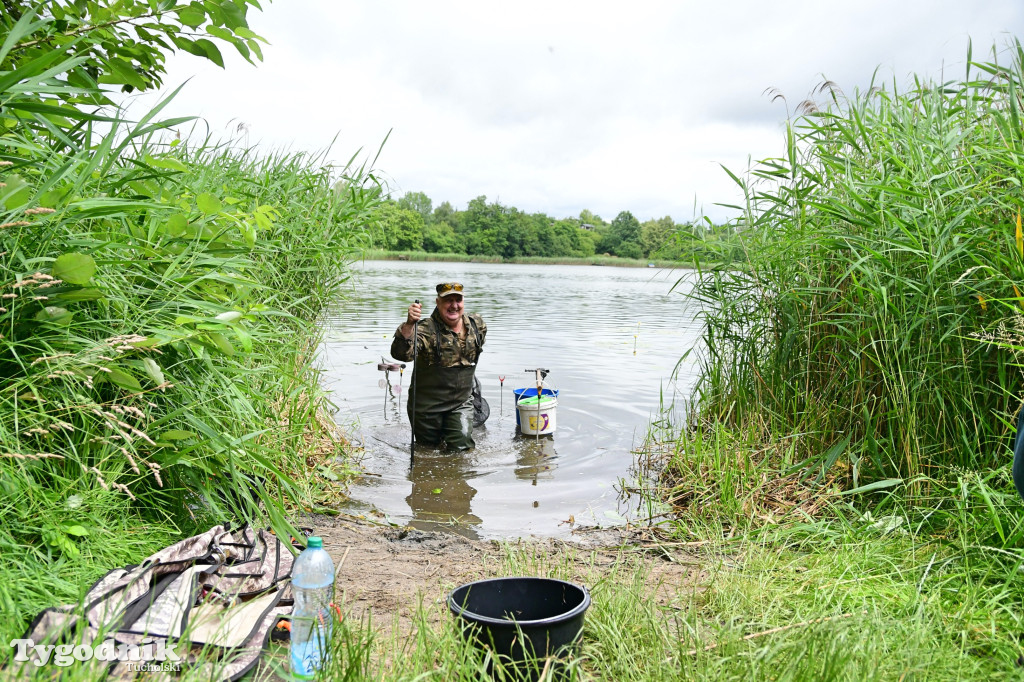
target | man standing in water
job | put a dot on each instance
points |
(448, 344)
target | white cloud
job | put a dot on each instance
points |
(562, 106)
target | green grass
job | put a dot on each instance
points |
(146, 391)
(837, 598)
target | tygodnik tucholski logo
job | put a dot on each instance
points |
(151, 656)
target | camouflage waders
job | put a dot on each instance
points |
(443, 373)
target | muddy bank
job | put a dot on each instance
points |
(384, 572)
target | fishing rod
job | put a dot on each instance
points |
(412, 390)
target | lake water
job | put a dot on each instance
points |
(612, 338)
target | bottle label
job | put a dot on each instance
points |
(308, 656)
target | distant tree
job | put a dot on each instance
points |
(441, 238)
(568, 239)
(399, 228)
(444, 213)
(629, 250)
(419, 202)
(589, 218)
(625, 228)
(655, 233)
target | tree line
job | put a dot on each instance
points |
(413, 223)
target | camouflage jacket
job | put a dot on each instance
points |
(439, 346)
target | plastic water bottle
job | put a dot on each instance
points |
(313, 587)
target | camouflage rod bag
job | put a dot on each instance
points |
(218, 594)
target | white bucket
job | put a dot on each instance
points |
(537, 418)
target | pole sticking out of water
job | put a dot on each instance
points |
(501, 403)
(540, 385)
(412, 390)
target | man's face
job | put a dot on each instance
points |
(450, 308)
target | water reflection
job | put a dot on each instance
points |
(535, 458)
(441, 493)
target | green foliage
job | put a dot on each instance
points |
(879, 255)
(146, 287)
(122, 43)
(400, 228)
(483, 229)
(624, 230)
(441, 238)
(418, 202)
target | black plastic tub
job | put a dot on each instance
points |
(522, 619)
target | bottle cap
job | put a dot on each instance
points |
(314, 541)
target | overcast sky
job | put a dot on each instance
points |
(564, 106)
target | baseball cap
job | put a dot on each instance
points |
(449, 288)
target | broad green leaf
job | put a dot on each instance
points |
(123, 379)
(166, 163)
(222, 33)
(245, 338)
(211, 51)
(249, 35)
(153, 370)
(53, 198)
(176, 434)
(877, 485)
(255, 47)
(192, 17)
(80, 295)
(16, 193)
(56, 314)
(76, 530)
(232, 15)
(221, 342)
(229, 317)
(74, 268)
(208, 203)
(176, 225)
(121, 72)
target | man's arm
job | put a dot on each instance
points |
(401, 346)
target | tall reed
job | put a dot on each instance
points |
(880, 251)
(159, 310)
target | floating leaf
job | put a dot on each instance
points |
(74, 268)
